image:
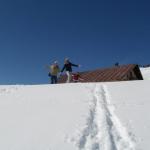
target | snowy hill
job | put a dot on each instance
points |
(87, 116)
(146, 73)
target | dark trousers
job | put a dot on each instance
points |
(53, 79)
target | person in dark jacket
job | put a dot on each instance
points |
(68, 68)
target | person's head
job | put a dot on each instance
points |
(66, 60)
(56, 62)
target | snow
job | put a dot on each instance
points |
(145, 73)
(80, 116)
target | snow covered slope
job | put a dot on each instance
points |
(146, 73)
(82, 116)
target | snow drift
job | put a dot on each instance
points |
(80, 116)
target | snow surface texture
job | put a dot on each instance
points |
(103, 129)
(81, 116)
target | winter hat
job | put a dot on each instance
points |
(66, 60)
(55, 62)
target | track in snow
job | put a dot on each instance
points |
(103, 130)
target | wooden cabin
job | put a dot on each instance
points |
(115, 73)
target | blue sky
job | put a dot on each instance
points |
(93, 33)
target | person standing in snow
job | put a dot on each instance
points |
(54, 71)
(68, 68)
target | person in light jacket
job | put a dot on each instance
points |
(54, 71)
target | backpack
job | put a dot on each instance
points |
(49, 74)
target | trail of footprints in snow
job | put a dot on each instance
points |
(103, 130)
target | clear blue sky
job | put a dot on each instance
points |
(93, 33)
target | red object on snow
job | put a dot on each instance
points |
(75, 77)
